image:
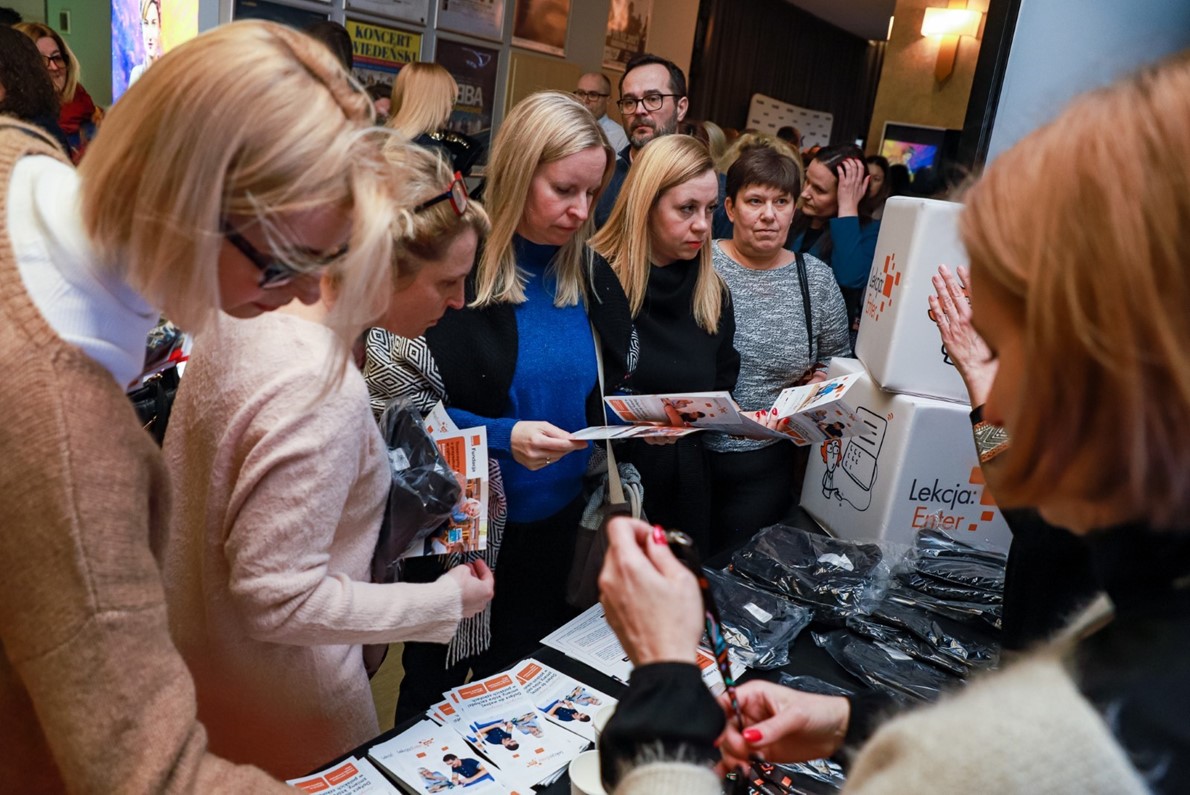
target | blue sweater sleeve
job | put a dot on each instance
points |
(499, 431)
(853, 247)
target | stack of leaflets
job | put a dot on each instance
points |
(802, 414)
(502, 734)
(589, 639)
(466, 453)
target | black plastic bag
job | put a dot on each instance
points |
(835, 578)
(759, 626)
(816, 777)
(905, 641)
(812, 684)
(883, 667)
(934, 543)
(963, 572)
(949, 591)
(423, 493)
(963, 648)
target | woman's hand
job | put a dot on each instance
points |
(539, 444)
(651, 599)
(782, 724)
(477, 584)
(951, 311)
(853, 186)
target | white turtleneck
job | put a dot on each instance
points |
(85, 304)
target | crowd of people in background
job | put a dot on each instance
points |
(202, 617)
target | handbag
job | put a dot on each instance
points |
(615, 490)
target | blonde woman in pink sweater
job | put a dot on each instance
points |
(280, 483)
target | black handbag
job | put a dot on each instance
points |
(154, 400)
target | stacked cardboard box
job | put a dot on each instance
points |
(916, 465)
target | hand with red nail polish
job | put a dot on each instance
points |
(783, 725)
(650, 598)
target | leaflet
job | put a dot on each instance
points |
(353, 777)
(807, 414)
(466, 453)
(429, 758)
(565, 701)
(501, 720)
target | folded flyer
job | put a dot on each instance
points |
(564, 700)
(810, 414)
(430, 758)
(353, 777)
(466, 453)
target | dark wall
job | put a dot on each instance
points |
(770, 47)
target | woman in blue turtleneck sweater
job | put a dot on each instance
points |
(520, 360)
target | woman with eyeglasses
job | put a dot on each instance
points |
(78, 115)
(519, 359)
(96, 697)
(281, 482)
(657, 240)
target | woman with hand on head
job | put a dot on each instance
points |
(183, 181)
(657, 240)
(282, 480)
(834, 221)
(78, 114)
(1101, 708)
(790, 321)
(519, 359)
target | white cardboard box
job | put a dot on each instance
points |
(916, 467)
(898, 341)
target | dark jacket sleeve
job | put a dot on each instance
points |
(667, 714)
(853, 245)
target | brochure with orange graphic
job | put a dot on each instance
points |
(353, 777)
(805, 415)
(428, 758)
(565, 701)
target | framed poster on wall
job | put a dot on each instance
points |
(627, 31)
(541, 25)
(414, 11)
(381, 51)
(276, 12)
(481, 18)
(474, 69)
(143, 31)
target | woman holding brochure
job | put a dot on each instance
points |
(281, 481)
(519, 359)
(1103, 450)
(790, 322)
(657, 242)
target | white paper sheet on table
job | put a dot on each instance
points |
(353, 777)
(415, 756)
(565, 700)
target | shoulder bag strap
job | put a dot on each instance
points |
(615, 489)
(801, 279)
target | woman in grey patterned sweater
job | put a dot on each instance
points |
(790, 321)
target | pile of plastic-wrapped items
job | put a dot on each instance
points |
(906, 622)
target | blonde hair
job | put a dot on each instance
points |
(750, 140)
(213, 130)
(36, 31)
(1093, 267)
(423, 96)
(428, 233)
(624, 241)
(542, 128)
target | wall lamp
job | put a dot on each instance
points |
(947, 24)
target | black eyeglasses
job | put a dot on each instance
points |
(273, 272)
(585, 95)
(456, 192)
(651, 102)
(57, 58)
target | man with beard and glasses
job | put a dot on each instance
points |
(652, 104)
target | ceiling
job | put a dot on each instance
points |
(867, 19)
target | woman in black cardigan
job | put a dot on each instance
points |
(519, 360)
(657, 241)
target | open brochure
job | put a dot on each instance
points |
(429, 758)
(589, 639)
(811, 414)
(353, 777)
(466, 453)
(564, 700)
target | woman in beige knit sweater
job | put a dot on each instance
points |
(1079, 286)
(93, 695)
(281, 481)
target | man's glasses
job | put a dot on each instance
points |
(57, 58)
(651, 102)
(273, 272)
(589, 95)
(456, 193)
